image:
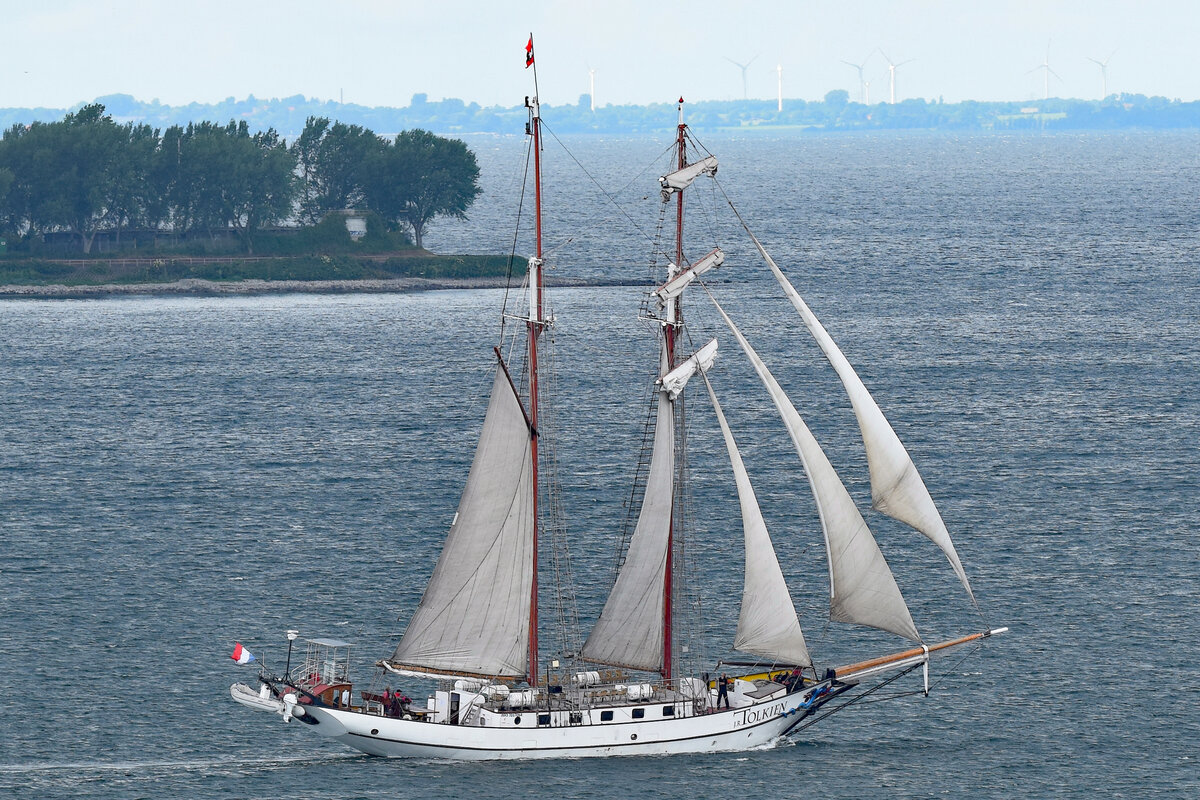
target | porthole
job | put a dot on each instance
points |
(516, 720)
(633, 736)
(374, 731)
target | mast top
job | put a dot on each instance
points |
(681, 111)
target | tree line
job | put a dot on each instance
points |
(88, 173)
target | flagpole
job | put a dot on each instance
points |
(536, 92)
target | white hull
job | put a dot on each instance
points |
(745, 728)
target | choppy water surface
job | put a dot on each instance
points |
(177, 473)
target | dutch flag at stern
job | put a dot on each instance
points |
(241, 655)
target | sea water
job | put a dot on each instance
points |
(177, 473)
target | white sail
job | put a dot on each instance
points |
(474, 616)
(861, 585)
(896, 487)
(629, 632)
(683, 178)
(767, 625)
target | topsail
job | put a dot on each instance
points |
(681, 179)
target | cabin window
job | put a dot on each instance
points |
(668, 711)
(606, 716)
(639, 713)
(543, 719)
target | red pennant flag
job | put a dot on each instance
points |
(529, 53)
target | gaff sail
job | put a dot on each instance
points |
(629, 632)
(474, 615)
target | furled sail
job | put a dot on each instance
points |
(474, 616)
(896, 487)
(681, 179)
(675, 286)
(767, 625)
(673, 382)
(629, 632)
(861, 585)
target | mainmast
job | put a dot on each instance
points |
(535, 324)
(671, 331)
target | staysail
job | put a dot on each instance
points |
(896, 487)
(861, 585)
(629, 632)
(767, 625)
(474, 616)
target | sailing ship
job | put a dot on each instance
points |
(631, 688)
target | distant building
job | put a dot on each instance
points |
(356, 222)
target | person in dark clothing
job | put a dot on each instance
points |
(723, 690)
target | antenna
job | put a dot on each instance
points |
(1103, 73)
(1045, 65)
(863, 84)
(892, 67)
(743, 68)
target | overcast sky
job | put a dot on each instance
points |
(59, 53)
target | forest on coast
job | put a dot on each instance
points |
(198, 184)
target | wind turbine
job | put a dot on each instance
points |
(592, 88)
(863, 84)
(1046, 75)
(779, 72)
(1103, 72)
(892, 73)
(743, 67)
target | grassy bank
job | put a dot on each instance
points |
(95, 271)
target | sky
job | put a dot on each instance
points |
(60, 53)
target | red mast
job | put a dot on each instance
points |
(671, 331)
(535, 324)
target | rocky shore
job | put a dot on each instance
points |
(204, 288)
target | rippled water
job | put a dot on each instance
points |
(177, 473)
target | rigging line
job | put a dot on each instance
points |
(516, 235)
(854, 700)
(610, 198)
